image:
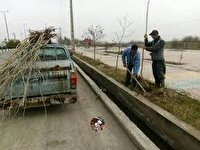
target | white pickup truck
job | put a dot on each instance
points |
(55, 82)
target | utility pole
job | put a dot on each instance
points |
(6, 23)
(14, 36)
(24, 30)
(45, 26)
(60, 32)
(21, 35)
(72, 26)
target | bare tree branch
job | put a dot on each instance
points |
(94, 34)
(125, 25)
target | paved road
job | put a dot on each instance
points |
(177, 77)
(64, 128)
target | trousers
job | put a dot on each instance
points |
(159, 71)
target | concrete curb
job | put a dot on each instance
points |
(175, 132)
(137, 136)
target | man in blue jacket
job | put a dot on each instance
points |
(131, 61)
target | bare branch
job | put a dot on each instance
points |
(125, 25)
(94, 34)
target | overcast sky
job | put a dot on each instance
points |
(173, 18)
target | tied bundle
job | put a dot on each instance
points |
(21, 64)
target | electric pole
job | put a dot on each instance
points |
(72, 26)
(6, 23)
(60, 32)
(45, 26)
(14, 36)
(24, 30)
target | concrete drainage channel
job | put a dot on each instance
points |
(175, 133)
(136, 135)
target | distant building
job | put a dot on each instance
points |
(87, 42)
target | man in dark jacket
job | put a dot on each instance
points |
(156, 47)
(131, 60)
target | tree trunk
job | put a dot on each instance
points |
(142, 64)
(117, 61)
(94, 52)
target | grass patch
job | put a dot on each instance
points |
(179, 104)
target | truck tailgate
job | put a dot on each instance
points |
(50, 78)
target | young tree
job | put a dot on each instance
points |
(12, 44)
(94, 33)
(125, 26)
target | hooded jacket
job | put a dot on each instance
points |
(126, 55)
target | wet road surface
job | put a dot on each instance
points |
(64, 128)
